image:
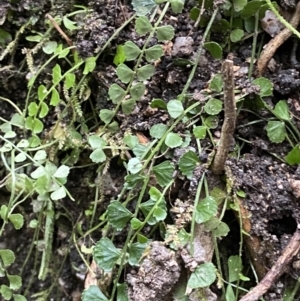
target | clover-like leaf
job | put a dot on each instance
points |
(154, 53)
(106, 254)
(124, 73)
(173, 140)
(131, 51)
(164, 173)
(206, 209)
(175, 108)
(165, 33)
(213, 106)
(116, 93)
(118, 215)
(276, 131)
(143, 25)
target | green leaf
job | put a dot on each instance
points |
(41, 185)
(56, 74)
(146, 207)
(200, 131)
(7, 256)
(251, 8)
(158, 103)
(281, 111)
(135, 223)
(214, 49)
(241, 193)
(203, 276)
(17, 220)
(137, 91)
(34, 125)
(230, 296)
(221, 230)
(54, 98)
(6, 292)
(136, 251)
(175, 108)
(44, 110)
(131, 51)
(164, 173)
(15, 281)
(96, 142)
(18, 297)
(159, 214)
(124, 73)
(143, 25)
(238, 5)
(180, 240)
(145, 72)
(213, 106)
(40, 155)
(6, 127)
(106, 115)
(10, 134)
(93, 293)
(116, 93)
(293, 157)
(90, 64)
(49, 47)
(266, 86)
(32, 109)
(134, 165)
(206, 209)
(35, 38)
(23, 143)
(106, 254)
(216, 84)
(154, 53)
(120, 55)
(173, 140)
(128, 105)
(70, 80)
(62, 172)
(236, 35)
(42, 92)
(158, 130)
(118, 215)
(276, 131)
(177, 6)
(69, 24)
(187, 164)
(143, 7)
(235, 267)
(131, 141)
(165, 33)
(122, 292)
(98, 156)
(58, 194)
(211, 122)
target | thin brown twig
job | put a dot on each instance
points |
(229, 118)
(277, 269)
(276, 42)
(58, 28)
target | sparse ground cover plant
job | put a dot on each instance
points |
(144, 154)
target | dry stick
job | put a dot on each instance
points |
(276, 42)
(54, 23)
(277, 269)
(229, 119)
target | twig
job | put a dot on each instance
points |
(276, 42)
(54, 23)
(229, 119)
(276, 271)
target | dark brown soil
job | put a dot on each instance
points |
(271, 186)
